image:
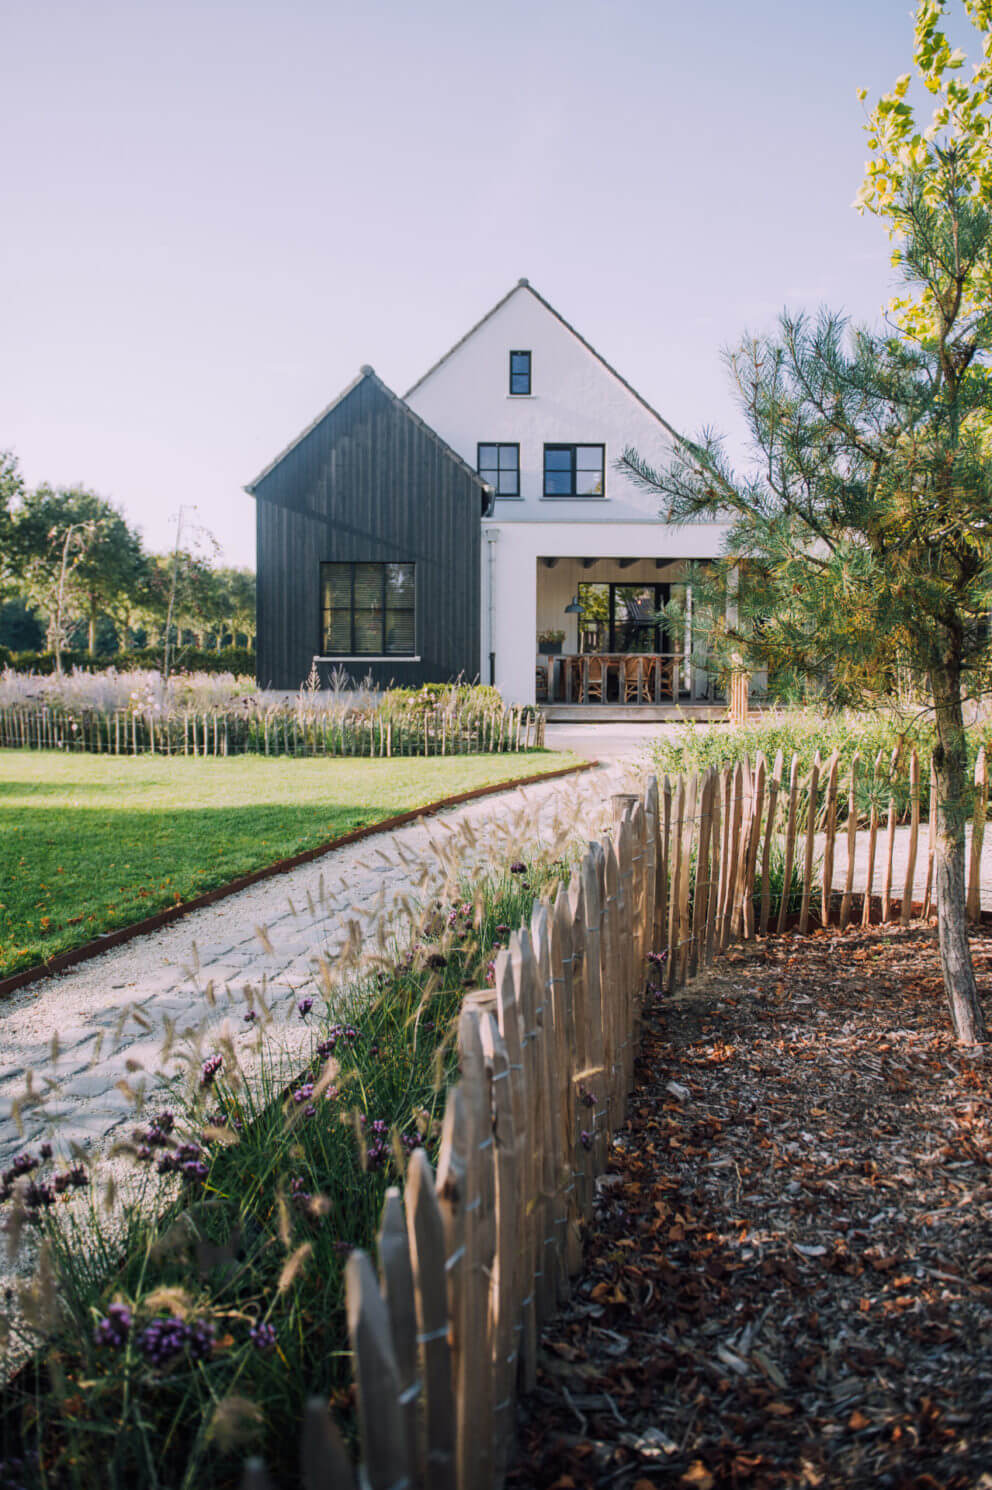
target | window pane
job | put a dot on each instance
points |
(508, 484)
(557, 460)
(558, 483)
(337, 585)
(519, 372)
(337, 631)
(488, 457)
(368, 607)
(508, 457)
(589, 483)
(399, 586)
(399, 633)
(589, 457)
(520, 383)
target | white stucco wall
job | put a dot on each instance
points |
(575, 399)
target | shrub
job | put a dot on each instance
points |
(231, 660)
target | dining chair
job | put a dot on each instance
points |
(630, 678)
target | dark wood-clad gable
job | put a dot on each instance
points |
(368, 482)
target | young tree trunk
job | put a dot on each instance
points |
(951, 775)
(91, 635)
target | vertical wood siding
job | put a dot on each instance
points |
(368, 484)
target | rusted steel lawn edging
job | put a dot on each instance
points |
(65, 960)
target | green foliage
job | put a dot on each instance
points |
(284, 1175)
(465, 697)
(803, 732)
(235, 660)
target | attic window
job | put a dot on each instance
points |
(519, 373)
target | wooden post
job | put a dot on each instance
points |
(890, 840)
(701, 887)
(974, 902)
(425, 1232)
(398, 1291)
(754, 839)
(505, 1323)
(735, 817)
(830, 834)
(931, 842)
(914, 836)
(766, 887)
(814, 781)
(380, 1417)
(324, 1460)
(876, 777)
(675, 870)
(713, 896)
(852, 840)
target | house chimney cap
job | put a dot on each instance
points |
(523, 284)
(367, 370)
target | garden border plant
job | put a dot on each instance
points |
(234, 1292)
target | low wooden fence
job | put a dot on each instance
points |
(474, 1256)
(233, 732)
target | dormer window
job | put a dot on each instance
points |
(519, 373)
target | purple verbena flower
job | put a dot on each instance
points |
(585, 1139)
(211, 1066)
(114, 1328)
(304, 1006)
(263, 1337)
(250, 1015)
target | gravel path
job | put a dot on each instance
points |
(76, 1050)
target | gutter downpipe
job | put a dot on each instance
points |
(492, 537)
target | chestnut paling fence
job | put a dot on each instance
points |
(475, 1255)
(347, 732)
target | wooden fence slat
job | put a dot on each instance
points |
(398, 1291)
(914, 836)
(674, 872)
(380, 1418)
(717, 839)
(974, 900)
(830, 834)
(505, 1313)
(774, 788)
(661, 882)
(754, 839)
(255, 1476)
(701, 885)
(814, 781)
(425, 1231)
(790, 843)
(324, 1460)
(685, 869)
(876, 777)
(474, 1402)
(890, 837)
(852, 840)
(931, 843)
(732, 846)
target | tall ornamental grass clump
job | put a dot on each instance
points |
(176, 1348)
(806, 731)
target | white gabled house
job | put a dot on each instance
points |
(377, 552)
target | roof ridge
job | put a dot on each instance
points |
(525, 284)
(365, 374)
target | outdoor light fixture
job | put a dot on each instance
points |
(575, 609)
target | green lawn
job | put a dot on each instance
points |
(90, 843)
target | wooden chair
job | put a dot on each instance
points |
(541, 683)
(631, 674)
(594, 672)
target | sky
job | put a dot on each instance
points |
(212, 214)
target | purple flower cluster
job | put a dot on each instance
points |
(585, 1139)
(250, 1015)
(165, 1338)
(586, 1098)
(411, 1141)
(463, 912)
(114, 1328)
(298, 1193)
(210, 1068)
(155, 1136)
(186, 1159)
(304, 1093)
(39, 1193)
(378, 1150)
(518, 867)
(263, 1337)
(304, 1007)
(335, 1035)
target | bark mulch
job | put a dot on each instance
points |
(789, 1279)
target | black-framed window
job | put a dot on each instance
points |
(618, 617)
(499, 465)
(519, 372)
(367, 610)
(575, 470)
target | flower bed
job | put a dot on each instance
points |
(233, 1295)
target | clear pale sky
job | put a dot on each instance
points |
(213, 213)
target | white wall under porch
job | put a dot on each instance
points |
(510, 616)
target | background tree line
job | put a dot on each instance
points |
(75, 575)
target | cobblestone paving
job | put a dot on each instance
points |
(75, 1050)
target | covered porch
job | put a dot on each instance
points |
(603, 642)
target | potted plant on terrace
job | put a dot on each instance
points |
(549, 642)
